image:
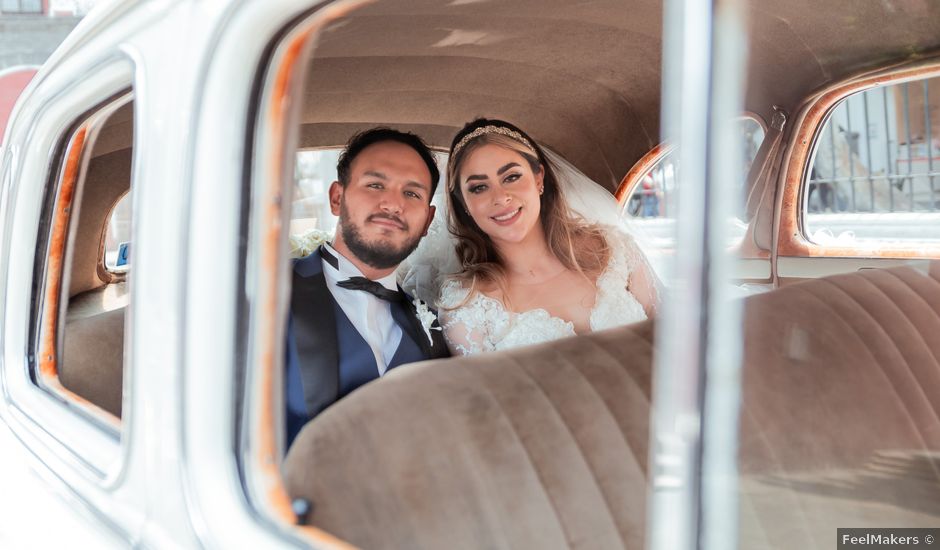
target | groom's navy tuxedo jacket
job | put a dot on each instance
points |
(326, 356)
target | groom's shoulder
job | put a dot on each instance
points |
(309, 265)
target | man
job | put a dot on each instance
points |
(349, 321)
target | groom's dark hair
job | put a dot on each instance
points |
(360, 141)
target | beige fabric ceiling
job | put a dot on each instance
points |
(581, 76)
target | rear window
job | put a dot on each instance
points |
(650, 209)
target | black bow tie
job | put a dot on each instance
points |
(373, 288)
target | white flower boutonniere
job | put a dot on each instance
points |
(304, 245)
(426, 317)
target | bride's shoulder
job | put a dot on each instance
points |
(452, 289)
(618, 238)
(457, 293)
(625, 252)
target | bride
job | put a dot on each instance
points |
(531, 270)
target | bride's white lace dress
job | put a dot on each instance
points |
(482, 324)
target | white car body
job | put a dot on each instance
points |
(165, 482)
(209, 104)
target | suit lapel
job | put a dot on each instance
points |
(314, 318)
(407, 318)
(313, 312)
(404, 315)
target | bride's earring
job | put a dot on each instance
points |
(541, 190)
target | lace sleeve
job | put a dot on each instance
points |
(642, 281)
(463, 321)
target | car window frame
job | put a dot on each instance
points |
(753, 264)
(652, 157)
(791, 240)
(58, 425)
(269, 176)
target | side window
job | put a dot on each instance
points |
(654, 195)
(311, 220)
(117, 246)
(650, 207)
(873, 174)
(21, 6)
(84, 298)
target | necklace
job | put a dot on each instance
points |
(524, 280)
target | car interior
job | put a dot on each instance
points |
(548, 446)
(92, 359)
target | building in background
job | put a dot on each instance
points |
(30, 30)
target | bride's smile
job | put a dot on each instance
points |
(509, 217)
(502, 193)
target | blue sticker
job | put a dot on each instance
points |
(124, 252)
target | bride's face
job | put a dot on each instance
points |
(501, 193)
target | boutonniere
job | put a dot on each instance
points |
(304, 245)
(426, 317)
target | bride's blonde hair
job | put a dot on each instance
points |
(578, 244)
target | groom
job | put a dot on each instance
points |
(349, 321)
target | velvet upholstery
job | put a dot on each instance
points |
(840, 423)
(92, 361)
(537, 448)
(546, 447)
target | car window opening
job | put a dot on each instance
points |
(873, 178)
(90, 364)
(493, 403)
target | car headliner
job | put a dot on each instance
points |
(582, 77)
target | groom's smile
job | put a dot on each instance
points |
(384, 209)
(385, 220)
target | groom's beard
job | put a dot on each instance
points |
(379, 254)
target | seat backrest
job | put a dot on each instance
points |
(546, 447)
(542, 447)
(825, 354)
(840, 417)
(92, 362)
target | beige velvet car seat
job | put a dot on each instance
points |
(543, 447)
(546, 447)
(93, 358)
(840, 423)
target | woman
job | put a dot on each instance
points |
(532, 271)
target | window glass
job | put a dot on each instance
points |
(873, 173)
(21, 6)
(117, 237)
(314, 171)
(654, 196)
(650, 209)
(311, 221)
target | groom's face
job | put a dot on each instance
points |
(384, 209)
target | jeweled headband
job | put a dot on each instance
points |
(490, 129)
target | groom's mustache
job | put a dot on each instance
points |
(400, 222)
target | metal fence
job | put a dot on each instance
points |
(879, 151)
(21, 6)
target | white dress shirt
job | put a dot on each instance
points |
(371, 316)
